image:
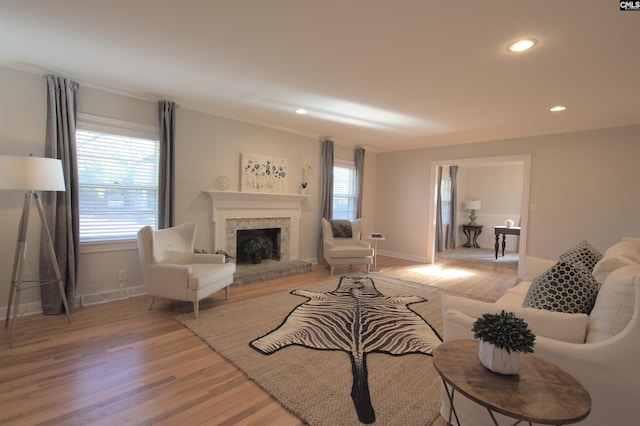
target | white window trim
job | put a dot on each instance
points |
(97, 123)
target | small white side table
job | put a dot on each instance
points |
(376, 238)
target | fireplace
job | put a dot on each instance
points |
(243, 236)
(234, 211)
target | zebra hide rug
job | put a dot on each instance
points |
(357, 319)
(315, 384)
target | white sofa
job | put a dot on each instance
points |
(601, 350)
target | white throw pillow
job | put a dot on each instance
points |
(614, 306)
(554, 325)
(626, 249)
(608, 264)
(633, 240)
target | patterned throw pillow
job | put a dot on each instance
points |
(583, 253)
(564, 287)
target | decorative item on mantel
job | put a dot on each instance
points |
(222, 183)
(304, 185)
(509, 223)
(503, 339)
(472, 205)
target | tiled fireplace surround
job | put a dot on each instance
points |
(231, 211)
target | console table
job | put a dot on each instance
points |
(472, 240)
(540, 393)
(504, 230)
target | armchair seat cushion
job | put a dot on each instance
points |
(348, 250)
(205, 274)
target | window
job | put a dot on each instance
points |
(345, 197)
(118, 183)
(445, 199)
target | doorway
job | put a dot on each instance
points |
(524, 164)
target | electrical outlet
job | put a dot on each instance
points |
(122, 274)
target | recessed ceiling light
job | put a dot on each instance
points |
(557, 108)
(522, 45)
(301, 111)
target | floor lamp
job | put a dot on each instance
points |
(30, 174)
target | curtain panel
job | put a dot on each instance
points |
(439, 236)
(167, 180)
(453, 210)
(326, 190)
(358, 159)
(62, 209)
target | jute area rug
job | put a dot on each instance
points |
(316, 385)
(483, 255)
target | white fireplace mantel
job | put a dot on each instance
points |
(250, 205)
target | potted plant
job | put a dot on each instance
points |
(226, 255)
(258, 247)
(503, 339)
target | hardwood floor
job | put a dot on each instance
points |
(119, 363)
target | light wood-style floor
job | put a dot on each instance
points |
(119, 363)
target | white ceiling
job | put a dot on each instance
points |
(383, 74)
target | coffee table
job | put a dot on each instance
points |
(540, 393)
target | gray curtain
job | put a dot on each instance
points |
(439, 236)
(358, 159)
(326, 189)
(451, 232)
(167, 183)
(61, 208)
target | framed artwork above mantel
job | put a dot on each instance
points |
(262, 173)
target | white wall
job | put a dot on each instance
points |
(584, 185)
(499, 188)
(207, 147)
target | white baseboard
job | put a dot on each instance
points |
(400, 255)
(25, 309)
(33, 308)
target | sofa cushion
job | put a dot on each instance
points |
(564, 287)
(627, 249)
(582, 254)
(635, 241)
(608, 264)
(555, 325)
(533, 266)
(614, 307)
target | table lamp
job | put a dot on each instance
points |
(472, 205)
(30, 174)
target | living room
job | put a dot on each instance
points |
(578, 184)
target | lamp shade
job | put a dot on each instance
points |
(472, 205)
(31, 173)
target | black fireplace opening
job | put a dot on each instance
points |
(245, 235)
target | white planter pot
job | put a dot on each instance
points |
(499, 360)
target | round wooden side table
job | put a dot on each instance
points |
(540, 393)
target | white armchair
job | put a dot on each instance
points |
(171, 270)
(346, 251)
